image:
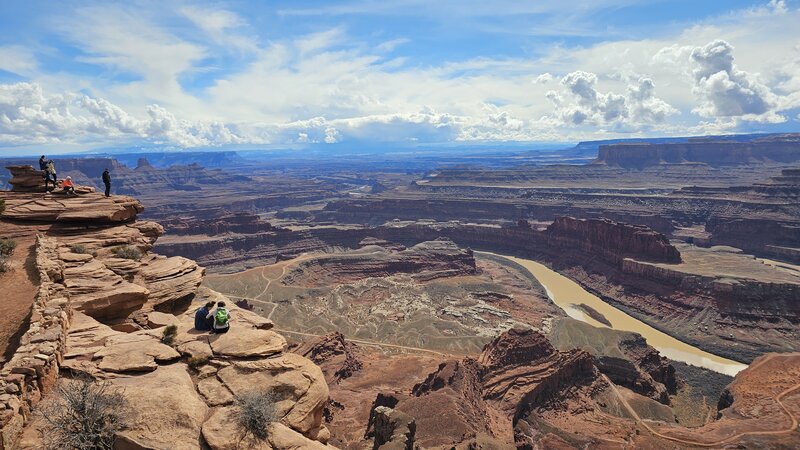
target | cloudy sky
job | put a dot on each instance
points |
(78, 74)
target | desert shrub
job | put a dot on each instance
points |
(195, 362)
(253, 411)
(170, 331)
(7, 246)
(127, 252)
(83, 415)
(3, 264)
(79, 248)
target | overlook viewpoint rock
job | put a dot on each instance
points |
(103, 300)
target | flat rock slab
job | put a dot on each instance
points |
(91, 207)
(196, 349)
(215, 393)
(298, 384)
(244, 343)
(138, 356)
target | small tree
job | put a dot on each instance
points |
(255, 410)
(84, 415)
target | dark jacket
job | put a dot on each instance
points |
(42, 164)
(106, 177)
(200, 321)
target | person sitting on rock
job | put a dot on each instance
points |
(221, 318)
(68, 187)
(201, 320)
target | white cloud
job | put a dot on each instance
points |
(543, 78)
(726, 91)
(330, 85)
(17, 59)
(580, 103)
(29, 115)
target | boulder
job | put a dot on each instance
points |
(298, 384)
(100, 293)
(246, 343)
(167, 411)
(221, 433)
(171, 280)
(157, 319)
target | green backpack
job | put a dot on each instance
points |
(221, 317)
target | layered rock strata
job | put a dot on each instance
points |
(102, 312)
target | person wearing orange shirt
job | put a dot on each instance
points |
(68, 187)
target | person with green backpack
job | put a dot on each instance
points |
(222, 318)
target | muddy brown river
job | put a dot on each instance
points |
(567, 294)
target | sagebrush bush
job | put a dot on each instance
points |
(83, 415)
(79, 248)
(253, 411)
(170, 332)
(7, 246)
(195, 362)
(3, 264)
(127, 252)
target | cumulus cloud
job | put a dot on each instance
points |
(725, 91)
(580, 103)
(543, 78)
(30, 115)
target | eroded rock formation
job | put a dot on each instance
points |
(104, 302)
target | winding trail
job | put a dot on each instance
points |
(729, 439)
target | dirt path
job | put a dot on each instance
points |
(777, 398)
(18, 287)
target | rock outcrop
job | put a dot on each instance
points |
(720, 153)
(90, 207)
(617, 240)
(424, 262)
(624, 357)
(338, 357)
(102, 310)
(522, 370)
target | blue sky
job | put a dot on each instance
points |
(179, 74)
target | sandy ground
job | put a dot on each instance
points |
(17, 291)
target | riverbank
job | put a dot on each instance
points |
(567, 294)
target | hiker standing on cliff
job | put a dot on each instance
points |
(107, 182)
(43, 168)
(221, 318)
(50, 174)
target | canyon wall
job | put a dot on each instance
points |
(637, 155)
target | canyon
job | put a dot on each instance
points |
(409, 301)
